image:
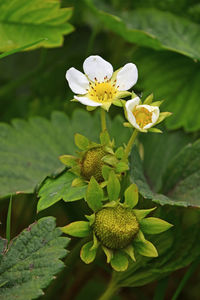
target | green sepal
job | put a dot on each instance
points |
(81, 141)
(118, 102)
(104, 138)
(95, 242)
(108, 253)
(145, 248)
(130, 251)
(155, 130)
(68, 160)
(126, 124)
(77, 229)
(78, 182)
(122, 94)
(133, 95)
(140, 237)
(121, 167)
(148, 99)
(109, 150)
(110, 159)
(87, 254)
(119, 153)
(154, 225)
(106, 171)
(131, 196)
(119, 262)
(94, 195)
(106, 106)
(113, 187)
(111, 204)
(76, 170)
(90, 108)
(142, 213)
(162, 116)
(157, 103)
(91, 219)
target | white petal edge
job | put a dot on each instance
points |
(155, 114)
(130, 105)
(77, 81)
(96, 67)
(87, 101)
(127, 77)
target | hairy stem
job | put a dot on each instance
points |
(130, 144)
(103, 119)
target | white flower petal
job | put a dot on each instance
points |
(87, 101)
(127, 77)
(77, 81)
(96, 67)
(130, 105)
(155, 114)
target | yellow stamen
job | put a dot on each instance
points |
(143, 116)
(102, 91)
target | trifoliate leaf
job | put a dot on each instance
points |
(23, 22)
(131, 196)
(77, 229)
(94, 195)
(55, 189)
(119, 262)
(32, 260)
(81, 141)
(113, 186)
(154, 225)
(87, 255)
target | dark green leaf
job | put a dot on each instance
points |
(24, 22)
(152, 28)
(32, 260)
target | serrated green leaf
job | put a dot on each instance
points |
(154, 225)
(77, 229)
(180, 93)
(29, 269)
(54, 189)
(81, 141)
(113, 187)
(94, 195)
(25, 22)
(131, 195)
(87, 255)
(151, 28)
(119, 262)
(29, 151)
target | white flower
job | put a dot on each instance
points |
(99, 86)
(141, 116)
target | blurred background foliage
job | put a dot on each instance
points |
(163, 39)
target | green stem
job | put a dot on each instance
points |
(130, 143)
(110, 291)
(103, 119)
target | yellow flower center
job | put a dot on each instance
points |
(102, 91)
(143, 116)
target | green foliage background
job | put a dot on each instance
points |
(38, 123)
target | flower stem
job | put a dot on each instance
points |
(130, 143)
(103, 119)
(109, 292)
